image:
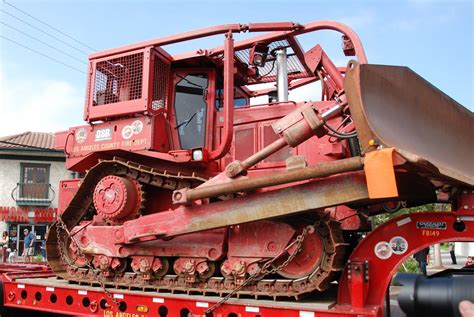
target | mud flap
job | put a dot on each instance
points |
(380, 174)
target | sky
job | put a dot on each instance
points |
(433, 38)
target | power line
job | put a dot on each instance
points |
(44, 55)
(36, 28)
(30, 146)
(49, 25)
(44, 43)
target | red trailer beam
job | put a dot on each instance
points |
(57, 296)
(376, 259)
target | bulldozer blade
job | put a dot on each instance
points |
(395, 107)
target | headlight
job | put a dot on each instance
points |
(197, 155)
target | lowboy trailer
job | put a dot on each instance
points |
(363, 291)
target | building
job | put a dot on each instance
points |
(464, 248)
(30, 171)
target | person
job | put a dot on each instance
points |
(466, 308)
(4, 246)
(451, 251)
(29, 249)
(469, 262)
(422, 258)
(43, 246)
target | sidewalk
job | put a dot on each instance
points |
(446, 261)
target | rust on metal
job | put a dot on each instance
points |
(332, 191)
(237, 167)
(394, 107)
(378, 139)
(248, 184)
(70, 261)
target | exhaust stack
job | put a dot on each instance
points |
(282, 75)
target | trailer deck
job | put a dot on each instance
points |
(35, 287)
(361, 290)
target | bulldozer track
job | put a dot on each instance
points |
(331, 262)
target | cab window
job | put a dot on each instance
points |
(190, 109)
(239, 98)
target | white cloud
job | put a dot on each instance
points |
(359, 20)
(305, 93)
(39, 106)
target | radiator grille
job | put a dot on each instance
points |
(118, 79)
(161, 75)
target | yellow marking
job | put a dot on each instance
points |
(430, 233)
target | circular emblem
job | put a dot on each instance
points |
(399, 245)
(383, 250)
(127, 132)
(137, 126)
(81, 135)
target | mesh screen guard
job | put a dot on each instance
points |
(128, 83)
(118, 79)
(268, 72)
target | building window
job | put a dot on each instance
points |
(34, 183)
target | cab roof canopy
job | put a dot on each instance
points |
(277, 35)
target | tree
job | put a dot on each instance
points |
(382, 218)
(438, 261)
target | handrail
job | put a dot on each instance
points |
(171, 39)
(54, 192)
(228, 132)
(13, 190)
(280, 29)
(33, 196)
(199, 33)
(66, 142)
(294, 31)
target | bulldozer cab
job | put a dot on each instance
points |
(197, 98)
(184, 93)
(195, 106)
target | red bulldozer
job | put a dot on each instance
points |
(188, 185)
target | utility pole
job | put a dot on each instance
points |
(438, 262)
